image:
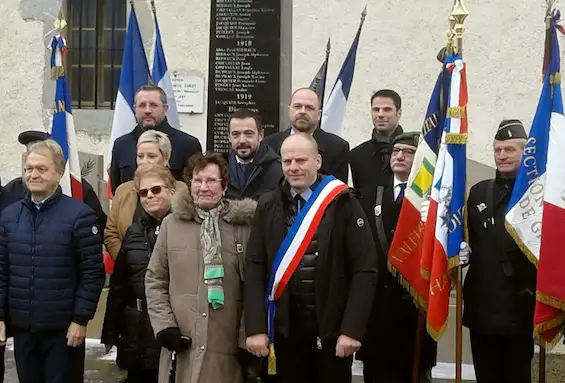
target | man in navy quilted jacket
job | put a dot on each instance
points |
(51, 270)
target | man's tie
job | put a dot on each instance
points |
(401, 193)
(299, 202)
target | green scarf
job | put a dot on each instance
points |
(211, 251)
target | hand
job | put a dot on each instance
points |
(2, 333)
(424, 208)
(258, 345)
(172, 339)
(346, 346)
(75, 334)
(464, 254)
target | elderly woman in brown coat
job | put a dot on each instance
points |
(194, 281)
(153, 147)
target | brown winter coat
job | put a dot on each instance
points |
(124, 204)
(177, 295)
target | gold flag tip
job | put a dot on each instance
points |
(60, 22)
(329, 44)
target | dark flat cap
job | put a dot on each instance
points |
(32, 135)
(408, 138)
(509, 129)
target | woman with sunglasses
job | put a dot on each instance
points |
(153, 147)
(194, 280)
(126, 323)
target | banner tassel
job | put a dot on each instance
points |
(272, 360)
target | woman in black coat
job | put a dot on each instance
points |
(126, 323)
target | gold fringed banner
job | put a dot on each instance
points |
(56, 72)
(456, 138)
(456, 112)
(420, 301)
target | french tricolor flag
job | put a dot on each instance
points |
(162, 77)
(334, 108)
(63, 127)
(133, 75)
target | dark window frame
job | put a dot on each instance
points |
(93, 67)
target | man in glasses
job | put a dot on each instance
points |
(388, 350)
(305, 113)
(151, 113)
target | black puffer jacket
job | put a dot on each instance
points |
(51, 270)
(126, 323)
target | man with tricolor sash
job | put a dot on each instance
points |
(310, 274)
(388, 350)
(499, 288)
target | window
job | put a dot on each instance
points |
(96, 43)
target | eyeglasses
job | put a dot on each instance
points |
(151, 106)
(405, 151)
(197, 182)
(155, 190)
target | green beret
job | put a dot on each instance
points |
(408, 138)
(509, 129)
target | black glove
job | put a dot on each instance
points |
(172, 339)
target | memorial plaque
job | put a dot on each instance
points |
(244, 68)
(189, 93)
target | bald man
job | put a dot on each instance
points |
(304, 113)
(322, 312)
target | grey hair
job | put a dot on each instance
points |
(159, 138)
(53, 149)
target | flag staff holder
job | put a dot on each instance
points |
(457, 19)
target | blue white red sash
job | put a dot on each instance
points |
(296, 242)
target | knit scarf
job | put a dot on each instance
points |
(211, 251)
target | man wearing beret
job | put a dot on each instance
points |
(17, 188)
(499, 289)
(388, 350)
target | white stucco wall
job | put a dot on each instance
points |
(399, 42)
(21, 83)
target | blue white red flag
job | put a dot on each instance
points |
(63, 127)
(133, 75)
(162, 77)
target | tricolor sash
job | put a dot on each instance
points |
(294, 246)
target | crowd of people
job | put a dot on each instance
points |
(260, 264)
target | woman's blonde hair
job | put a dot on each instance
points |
(159, 138)
(154, 170)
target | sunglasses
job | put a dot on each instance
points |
(155, 190)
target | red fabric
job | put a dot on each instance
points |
(108, 263)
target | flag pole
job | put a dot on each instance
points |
(322, 96)
(459, 14)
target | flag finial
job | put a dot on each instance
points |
(364, 14)
(153, 9)
(60, 22)
(328, 46)
(459, 14)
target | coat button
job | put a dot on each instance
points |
(204, 315)
(202, 348)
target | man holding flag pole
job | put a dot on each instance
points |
(536, 211)
(425, 252)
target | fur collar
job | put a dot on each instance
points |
(236, 212)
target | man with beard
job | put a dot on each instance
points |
(319, 284)
(151, 113)
(388, 350)
(499, 288)
(370, 159)
(254, 167)
(304, 112)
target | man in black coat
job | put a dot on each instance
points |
(305, 114)
(51, 271)
(18, 189)
(151, 113)
(322, 314)
(254, 167)
(388, 351)
(370, 159)
(500, 285)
